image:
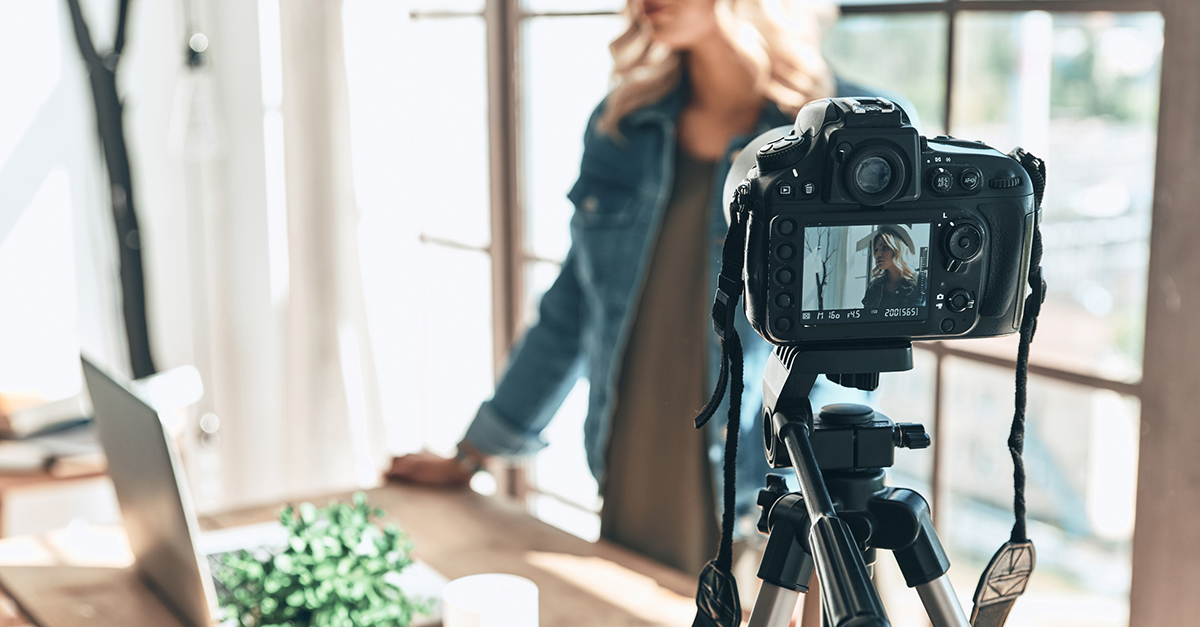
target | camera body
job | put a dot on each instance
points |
(862, 230)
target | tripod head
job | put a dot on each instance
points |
(787, 381)
(852, 443)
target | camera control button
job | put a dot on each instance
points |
(783, 324)
(941, 180)
(785, 227)
(785, 276)
(808, 189)
(1006, 180)
(964, 242)
(784, 300)
(971, 179)
(786, 251)
(785, 189)
(780, 153)
(960, 301)
(947, 325)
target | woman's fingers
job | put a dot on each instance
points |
(428, 469)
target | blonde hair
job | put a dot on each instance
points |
(890, 241)
(779, 40)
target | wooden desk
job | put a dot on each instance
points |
(458, 533)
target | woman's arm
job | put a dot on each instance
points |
(539, 375)
(541, 371)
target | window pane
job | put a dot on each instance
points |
(409, 180)
(450, 353)
(1081, 91)
(42, 246)
(566, 65)
(409, 121)
(1081, 447)
(914, 65)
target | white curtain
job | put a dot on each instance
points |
(332, 395)
(288, 350)
(249, 226)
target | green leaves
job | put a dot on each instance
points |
(339, 570)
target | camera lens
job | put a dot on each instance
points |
(872, 175)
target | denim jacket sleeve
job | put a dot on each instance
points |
(543, 367)
(542, 370)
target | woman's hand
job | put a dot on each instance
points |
(427, 468)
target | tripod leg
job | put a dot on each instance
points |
(774, 606)
(941, 604)
(810, 616)
(906, 527)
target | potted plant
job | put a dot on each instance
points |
(339, 569)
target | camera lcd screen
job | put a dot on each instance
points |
(865, 273)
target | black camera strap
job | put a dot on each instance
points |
(1008, 573)
(717, 603)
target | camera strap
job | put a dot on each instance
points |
(717, 603)
(1008, 573)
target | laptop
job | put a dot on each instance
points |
(172, 557)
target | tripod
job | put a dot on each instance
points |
(843, 513)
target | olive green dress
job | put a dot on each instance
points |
(657, 488)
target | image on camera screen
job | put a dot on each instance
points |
(865, 272)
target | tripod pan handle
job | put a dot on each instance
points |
(846, 593)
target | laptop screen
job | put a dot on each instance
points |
(155, 505)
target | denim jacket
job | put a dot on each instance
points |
(585, 317)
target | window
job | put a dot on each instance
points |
(1074, 81)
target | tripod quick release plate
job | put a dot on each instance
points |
(854, 437)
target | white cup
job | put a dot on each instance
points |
(490, 600)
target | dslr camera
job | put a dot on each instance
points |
(861, 229)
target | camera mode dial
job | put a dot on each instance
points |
(781, 153)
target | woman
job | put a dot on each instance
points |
(694, 81)
(892, 282)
